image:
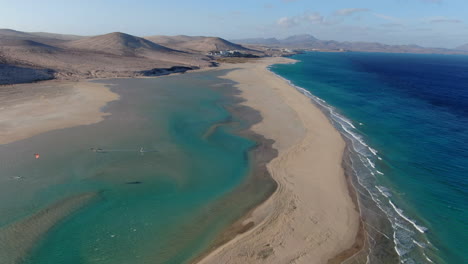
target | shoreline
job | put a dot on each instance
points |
(272, 229)
(34, 108)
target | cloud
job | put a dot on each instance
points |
(388, 18)
(432, 1)
(317, 18)
(313, 17)
(287, 22)
(444, 20)
(392, 25)
(422, 29)
(350, 11)
(310, 18)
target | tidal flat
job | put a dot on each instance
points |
(160, 179)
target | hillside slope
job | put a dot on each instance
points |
(117, 43)
(197, 43)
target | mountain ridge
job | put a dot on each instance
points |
(309, 42)
(463, 47)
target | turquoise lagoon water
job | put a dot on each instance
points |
(164, 205)
(405, 117)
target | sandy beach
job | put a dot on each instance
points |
(311, 218)
(31, 109)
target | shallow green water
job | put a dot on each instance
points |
(161, 206)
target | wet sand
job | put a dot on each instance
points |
(30, 109)
(311, 218)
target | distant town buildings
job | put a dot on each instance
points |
(230, 53)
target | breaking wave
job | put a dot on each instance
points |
(364, 165)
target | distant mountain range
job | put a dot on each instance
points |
(463, 47)
(309, 42)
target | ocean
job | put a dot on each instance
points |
(158, 181)
(405, 118)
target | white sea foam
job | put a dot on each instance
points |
(427, 258)
(421, 245)
(370, 163)
(342, 118)
(403, 227)
(421, 229)
(373, 151)
(399, 251)
(365, 170)
(355, 137)
(384, 191)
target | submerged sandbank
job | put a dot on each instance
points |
(16, 240)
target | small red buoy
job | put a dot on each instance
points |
(36, 155)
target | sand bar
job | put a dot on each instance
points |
(311, 218)
(30, 109)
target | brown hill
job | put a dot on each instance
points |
(196, 44)
(56, 36)
(26, 45)
(41, 37)
(171, 40)
(117, 43)
(4, 32)
(10, 33)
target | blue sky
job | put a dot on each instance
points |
(441, 23)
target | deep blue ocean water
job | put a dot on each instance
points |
(406, 117)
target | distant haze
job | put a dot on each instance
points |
(429, 23)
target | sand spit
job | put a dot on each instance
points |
(31, 109)
(311, 218)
